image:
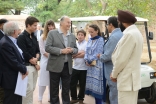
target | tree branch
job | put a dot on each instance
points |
(12, 12)
(104, 5)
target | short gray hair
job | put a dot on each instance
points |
(63, 17)
(10, 27)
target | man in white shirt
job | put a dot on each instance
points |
(79, 70)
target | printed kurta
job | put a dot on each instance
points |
(95, 81)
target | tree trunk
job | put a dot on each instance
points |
(104, 5)
(59, 1)
(88, 4)
(17, 12)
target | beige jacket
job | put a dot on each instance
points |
(127, 60)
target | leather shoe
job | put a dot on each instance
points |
(81, 102)
(73, 101)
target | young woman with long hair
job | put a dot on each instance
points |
(44, 75)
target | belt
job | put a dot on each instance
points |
(28, 64)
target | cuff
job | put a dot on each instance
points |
(73, 51)
(114, 75)
(24, 70)
(89, 62)
(60, 51)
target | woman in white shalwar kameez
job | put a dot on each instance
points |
(44, 74)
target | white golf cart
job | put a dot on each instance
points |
(148, 75)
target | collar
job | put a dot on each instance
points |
(2, 31)
(59, 30)
(129, 28)
(81, 42)
(14, 40)
(116, 29)
(96, 37)
(32, 34)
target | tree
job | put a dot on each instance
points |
(16, 6)
(141, 8)
(52, 9)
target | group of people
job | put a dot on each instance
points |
(64, 61)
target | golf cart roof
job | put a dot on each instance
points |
(104, 18)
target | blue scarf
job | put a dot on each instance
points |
(96, 37)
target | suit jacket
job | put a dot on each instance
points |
(1, 34)
(127, 60)
(54, 44)
(109, 47)
(12, 63)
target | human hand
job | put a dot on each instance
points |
(33, 60)
(70, 49)
(98, 56)
(113, 79)
(46, 55)
(65, 51)
(74, 56)
(87, 64)
(37, 67)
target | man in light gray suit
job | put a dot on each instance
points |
(110, 44)
(60, 45)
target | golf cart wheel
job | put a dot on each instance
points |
(152, 97)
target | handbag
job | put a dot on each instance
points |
(93, 63)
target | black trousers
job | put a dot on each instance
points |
(54, 86)
(78, 76)
(11, 98)
(1, 95)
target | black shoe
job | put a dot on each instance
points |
(73, 101)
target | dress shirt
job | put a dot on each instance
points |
(15, 42)
(29, 45)
(79, 63)
(65, 38)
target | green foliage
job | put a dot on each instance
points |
(54, 9)
(7, 5)
(80, 8)
(16, 5)
(138, 7)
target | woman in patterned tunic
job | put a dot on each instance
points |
(95, 81)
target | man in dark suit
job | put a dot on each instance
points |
(2, 21)
(13, 63)
(61, 45)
